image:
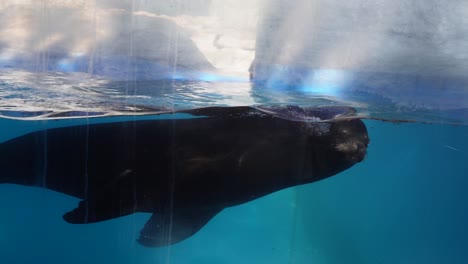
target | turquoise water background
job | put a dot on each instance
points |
(405, 203)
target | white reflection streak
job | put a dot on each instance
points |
(454, 149)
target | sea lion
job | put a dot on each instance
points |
(184, 171)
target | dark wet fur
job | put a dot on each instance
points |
(184, 171)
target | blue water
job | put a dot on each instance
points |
(405, 203)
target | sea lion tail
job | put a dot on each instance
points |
(16, 165)
(6, 180)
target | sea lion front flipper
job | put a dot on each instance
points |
(164, 229)
(116, 199)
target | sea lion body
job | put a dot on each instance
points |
(184, 171)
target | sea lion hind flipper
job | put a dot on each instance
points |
(77, 215)
(116, 199)
(97, 210)
(165, 229)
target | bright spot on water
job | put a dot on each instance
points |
(209, 77)
(178, 77)
(326, 82)
(66, 65)
(206, 77)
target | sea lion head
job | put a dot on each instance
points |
(350, 139)
(333, 137)
(335, 146)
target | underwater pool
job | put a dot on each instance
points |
(260, 95)
(405, 203)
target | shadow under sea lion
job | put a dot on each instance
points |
(184, 171)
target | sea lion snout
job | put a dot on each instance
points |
(351, 139)
(354, 150)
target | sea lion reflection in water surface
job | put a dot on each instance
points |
(184, 171)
